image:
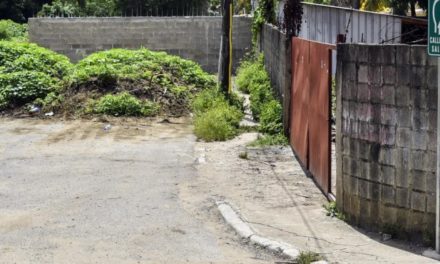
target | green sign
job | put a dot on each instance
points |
(434, 28)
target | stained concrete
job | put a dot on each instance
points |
(72, 192)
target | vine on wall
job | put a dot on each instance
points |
(265, 13)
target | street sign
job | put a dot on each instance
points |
(434, 28)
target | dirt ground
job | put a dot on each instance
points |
(90, 192)
(272, 192)
(144, 191)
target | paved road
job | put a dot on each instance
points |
(71, 192)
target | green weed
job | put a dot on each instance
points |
(218, 124)
(307, 257)
(332, 211)
(216, 119)
(271, 121)
(253, 78)
(124, 104)
(270, 140)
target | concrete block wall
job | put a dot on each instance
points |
(277, 59)
(386, 136)
(194, 38)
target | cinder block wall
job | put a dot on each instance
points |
(277, 59)
(195, 38)
(386, 138)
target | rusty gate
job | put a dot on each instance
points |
(310, 121)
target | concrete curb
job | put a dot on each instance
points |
(246, 232)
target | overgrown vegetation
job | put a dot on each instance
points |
(28, 72)
(9, 30)
(252, 78)
(115, 82)
(167, 80)
(216, 118)
(265, 13)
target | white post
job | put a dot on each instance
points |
(437, 220)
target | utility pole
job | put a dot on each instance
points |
(225, 60)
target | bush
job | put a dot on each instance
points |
(28, 72)
(9, 30)
(271, 121)
(215, 118)
(207, 99)
(124, 104)
(218, 124)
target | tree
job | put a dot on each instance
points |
(12, 9)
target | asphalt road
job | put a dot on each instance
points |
(73, 192)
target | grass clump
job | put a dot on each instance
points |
(9, 30)
(125, 104)
(307, 257)
(270, 140)
(29, 72)
(215, 118)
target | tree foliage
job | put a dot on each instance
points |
(21, 10)
(292, 17)
(399, 7)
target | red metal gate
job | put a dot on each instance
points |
(310, 122)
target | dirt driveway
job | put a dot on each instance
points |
(81, 192)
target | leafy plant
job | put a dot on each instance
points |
(271, 118)
(9, 30)
(215, 118)
(265, 13)
(28, 72)
(332, 211)
(124, 104)
(218, 124)
(52, 101)
(59, 8)
(252, 77)
(207, 99)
